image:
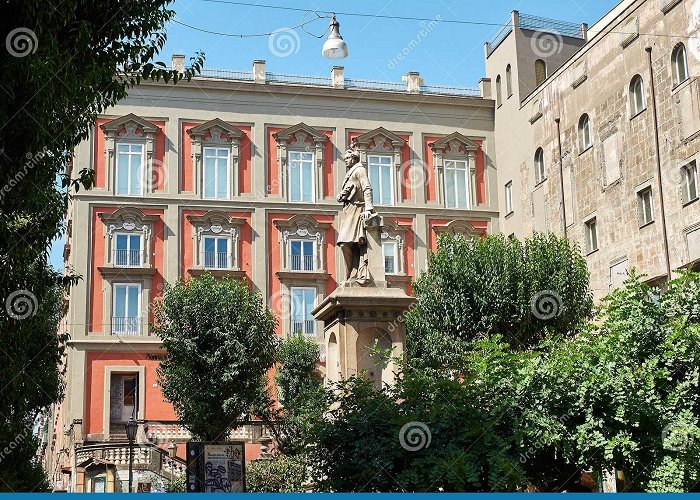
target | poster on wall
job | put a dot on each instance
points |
(215, 467)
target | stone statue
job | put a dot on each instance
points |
(358, 209)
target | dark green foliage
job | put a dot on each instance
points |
(219, 344)
(301, 392)
(62, 65)
(282, 474)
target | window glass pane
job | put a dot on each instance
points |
(294, 181)
(122, 241)
(309, 299)
(209, 244)
(296, 247)
(462, 194)
(209, 177)
(135, 242)
(308, 247)
(692, 183)
(307, 176)
(222, 178)
(133, 302)
(386, 185)
(120, 301)
(374, 180)
(222, 245)
(450, 182)
(135, 173)
(122, 173)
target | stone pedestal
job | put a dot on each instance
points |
(356, 318)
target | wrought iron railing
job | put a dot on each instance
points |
(536, 23)
(302, 263)
(307, 327)
(125, 258)
(126, 325)
(216, 260)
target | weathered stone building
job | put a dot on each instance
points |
(597, 135)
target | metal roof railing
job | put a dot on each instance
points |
(564, 28)
(327, 82)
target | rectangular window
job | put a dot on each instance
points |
(127, 250)
(591, 235)
(302, 255)
(129, 168)
(301, 176)
(509, 197)
(216, 253)
(390, 257)
(303, 302)
(690, 182)
(646, 207)
(456, 184)
(126, 317)
(216, 173)
(381, 178)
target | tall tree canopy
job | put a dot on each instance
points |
(62, 65)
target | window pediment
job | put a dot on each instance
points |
(216, 222)
(455, 144)
(127, 218)
(130, 127)
(455, 227)
(216, 131)
(300, 134)
(379, 138)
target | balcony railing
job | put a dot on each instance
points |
(216, 260)
(302, 262)
(307, 327)
(126, 325)
(125, 258)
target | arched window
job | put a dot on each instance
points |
(540, 173)
(679, 62)
(637, 100)
(498, 90)
(584, 132)
(540, 72)
(509, 81)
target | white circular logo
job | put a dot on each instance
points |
(284, 42)
(21, 304)
(21, 42)
(415, 436)
(546, 304)
(546, 44)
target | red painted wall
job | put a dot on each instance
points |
(98, 246)
(245, 240)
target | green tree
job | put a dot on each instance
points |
(61, 67)
(493, 285)
(301, 392)
(219, 345)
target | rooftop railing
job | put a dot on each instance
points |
(536, 23)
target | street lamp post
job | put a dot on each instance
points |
(131, 427)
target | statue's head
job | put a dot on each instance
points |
(351, 157)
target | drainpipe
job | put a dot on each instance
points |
(561, 176)
(658, 164)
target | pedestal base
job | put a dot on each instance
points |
(355, 320)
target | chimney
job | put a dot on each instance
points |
(179, 62)
(413, 82)
(584, 31)
(485, 88)
(338, 77)
(259, 71)
(515, 19)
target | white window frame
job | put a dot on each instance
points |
(225, 239)
(641, 202)
(305, 322)
(690, 178)
(584, 132)
(637, 100)
(451, 165)
(217, 157)
(301, 161)
(129, 249)
(679, 58)
(377, 190)
(591, 235)
(540, 169)
(139, 289)
(395, 246)
(130, 154)
(314, 256)
(509, 197)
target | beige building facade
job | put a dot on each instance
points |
(602, 148)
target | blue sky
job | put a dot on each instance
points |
(445, 54)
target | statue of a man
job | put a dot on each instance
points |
(358, 207)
